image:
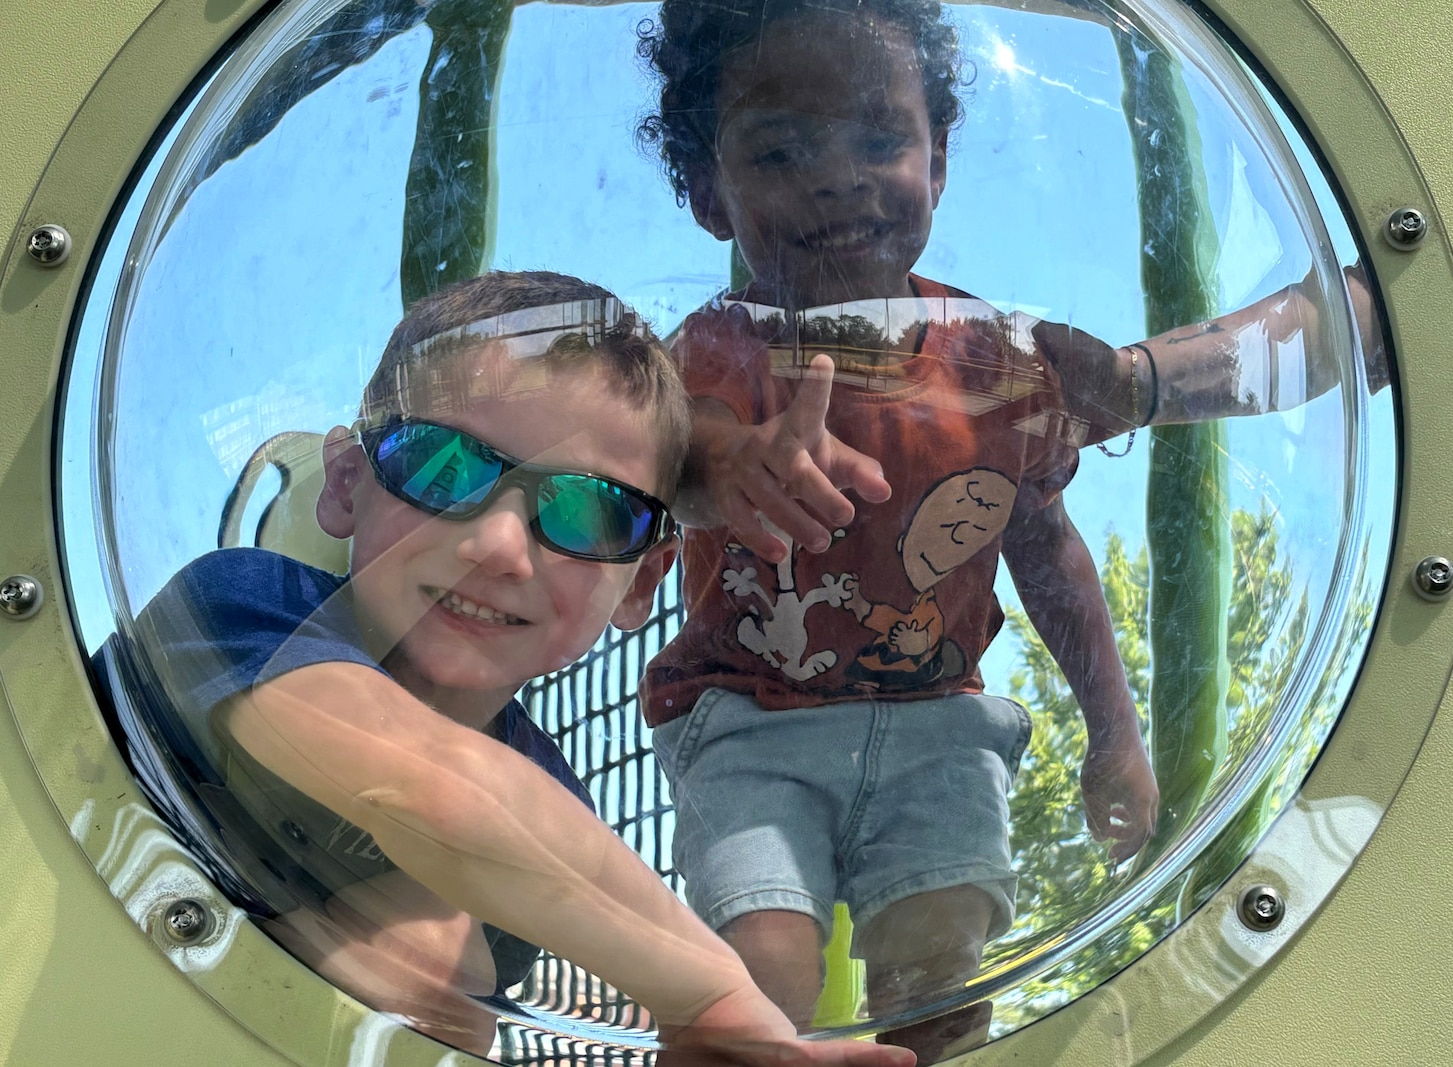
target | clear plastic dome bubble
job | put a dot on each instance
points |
(1095, 318)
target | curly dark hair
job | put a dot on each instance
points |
(690, 41)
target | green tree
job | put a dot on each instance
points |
(1065, 877)
(1186, 492)
(1063, 873)
(448, 210)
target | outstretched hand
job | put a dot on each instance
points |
(790, 471)
(1122, 800)
(1094, 377)
(746, 1030)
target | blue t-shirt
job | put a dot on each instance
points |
(226, 622)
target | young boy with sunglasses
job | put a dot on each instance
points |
(357, 738)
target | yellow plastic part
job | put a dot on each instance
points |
(843, 981)
(289, 522)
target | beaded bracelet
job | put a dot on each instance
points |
(1134, 406)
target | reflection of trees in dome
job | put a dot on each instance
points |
(1064, 874)
(856, 332)
(349, 37)
(448, 218)
(860, 345)
(1187, 530)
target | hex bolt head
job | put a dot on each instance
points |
(1433, 577)
(1261, 908)
(186, 921)
(20, 596)
(49, 245)
(1406, 228)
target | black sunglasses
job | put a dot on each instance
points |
(448, 473)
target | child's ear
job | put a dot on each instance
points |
(635, 607)
(938, 164)
(343, 465)
(707, 208)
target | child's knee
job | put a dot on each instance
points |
(927, 942)
(791, 937)
(783, 954)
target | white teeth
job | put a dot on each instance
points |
(842, 238)
(468, 608)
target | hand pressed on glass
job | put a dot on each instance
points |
(790, 470)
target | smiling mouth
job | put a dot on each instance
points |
(455, 604)
(845, 235)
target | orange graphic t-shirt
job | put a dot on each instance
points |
(965, 416)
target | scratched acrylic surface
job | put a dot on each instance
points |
(1039, 497)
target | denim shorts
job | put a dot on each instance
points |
(867, 802)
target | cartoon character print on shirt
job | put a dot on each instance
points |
(780, 635)
(957, 518)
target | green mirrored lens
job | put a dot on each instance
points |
(590, 516)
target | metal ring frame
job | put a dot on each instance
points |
(1165, 994)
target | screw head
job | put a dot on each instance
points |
(1406, 228)
(186, 921)
(1261, 908)
(1433, 577)
(20, 596)
(49, 245)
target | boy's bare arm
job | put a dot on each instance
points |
(485, 829)
(789, 470)
(397, 947)
(1058, 584)
(498, 838)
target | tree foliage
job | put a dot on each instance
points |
(1065, 876)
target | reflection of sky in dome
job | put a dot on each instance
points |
(267, 305)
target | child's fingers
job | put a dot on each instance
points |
(779, 507)
(741, 518)
(797, 1053)
(860, 1054)
(799, 477)
(806, 416)
(858, 471)
(1131, 827)
(760, 515)
(1129, 844)
(1097, 818)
